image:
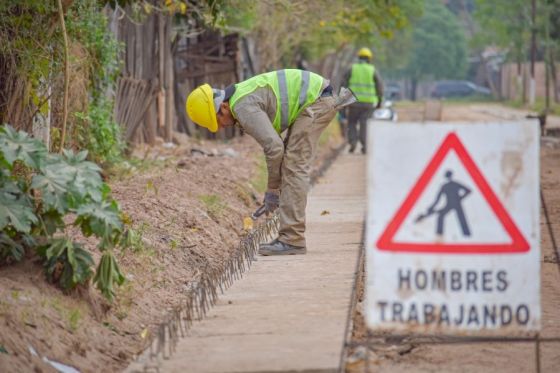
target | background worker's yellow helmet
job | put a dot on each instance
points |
(365, 52)
(202, 105)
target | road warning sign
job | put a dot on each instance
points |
(452, 193)
(453, 227)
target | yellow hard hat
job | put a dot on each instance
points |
(365, 52)
(201, 109)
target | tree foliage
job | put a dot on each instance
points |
(288, 30)
(438, 46)
(434, 47)
(39, 193)
(31, 50)
(505, 24)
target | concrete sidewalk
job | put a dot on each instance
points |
(288, 314)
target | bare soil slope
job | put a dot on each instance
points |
(188, 205)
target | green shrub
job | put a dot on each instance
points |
(39, 193)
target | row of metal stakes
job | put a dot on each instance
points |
(201, 295)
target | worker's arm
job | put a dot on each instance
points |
(433, 205)
(251, 114)
(465, 191)
(378, 87)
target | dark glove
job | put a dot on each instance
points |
(378, 106)
(271, 201)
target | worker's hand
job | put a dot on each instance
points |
(379, 104)
(271, 201)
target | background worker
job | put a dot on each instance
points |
(364, 80)
(295, 103)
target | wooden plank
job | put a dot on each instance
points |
(190, 75)
(187, 56)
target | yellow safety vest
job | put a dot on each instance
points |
(294, 91)
(361, 82)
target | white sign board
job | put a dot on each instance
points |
(453, 227)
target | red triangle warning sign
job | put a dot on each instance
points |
(387, 240)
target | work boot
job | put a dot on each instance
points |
(277, 247)
(364, 150)
(352, 148)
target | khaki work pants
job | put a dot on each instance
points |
(296, 168)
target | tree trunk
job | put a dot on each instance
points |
(519, 82)
(533, 51)
(488, 75)
(413, 86)
(168, 82)
(554, 78)
(66, 77)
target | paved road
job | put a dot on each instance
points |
(289, 313)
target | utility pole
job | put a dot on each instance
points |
(533, 51)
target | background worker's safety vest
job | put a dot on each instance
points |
(294, 91)
(361, 82)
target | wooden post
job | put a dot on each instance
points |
(161, 73)
(533, 51)
(151, 127)
(42, 123)
(168, 82)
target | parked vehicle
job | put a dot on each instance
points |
(386, 112)
(392, 91)
(458, 88)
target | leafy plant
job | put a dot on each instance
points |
(108, 274)
(66, 262)
(97, 131)
(35, 204)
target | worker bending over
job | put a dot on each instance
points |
(297, 104)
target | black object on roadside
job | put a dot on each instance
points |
(258, 212)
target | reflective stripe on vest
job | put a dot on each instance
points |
(294, 91)
(362, 84)
(284, 101)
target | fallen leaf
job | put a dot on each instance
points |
(144, 333)
(247, 223)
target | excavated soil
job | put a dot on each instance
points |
(187, 203)
(410, 355)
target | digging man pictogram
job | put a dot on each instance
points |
(454, 193)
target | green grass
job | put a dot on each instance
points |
(136, 240)
(469, 100)
(131, 166)
(259, 181)
(537, 107)
(74, 317)
(331, 132)
(214, 204)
